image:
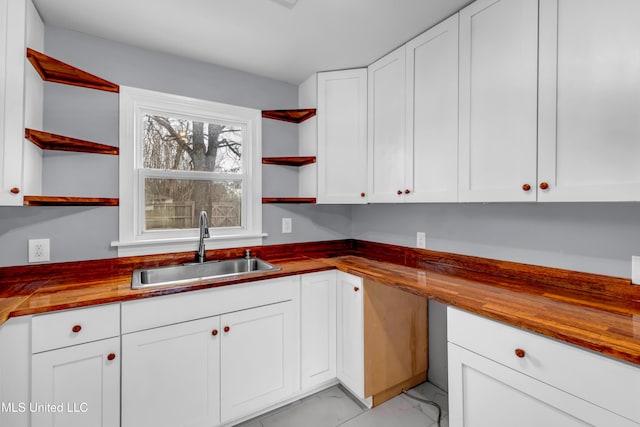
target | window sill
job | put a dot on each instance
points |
(184, 244)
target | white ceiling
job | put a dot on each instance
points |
(264, 37)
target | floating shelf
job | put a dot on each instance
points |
(308, 200)
(52, 70)
(289, 161)
(51, 141)
(291, 116)
(69, 201)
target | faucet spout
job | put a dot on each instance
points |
(201, 256)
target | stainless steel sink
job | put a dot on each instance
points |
(191, 273)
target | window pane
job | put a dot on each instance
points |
(190, 145)
(176, 203)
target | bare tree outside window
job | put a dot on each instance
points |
(174, 149)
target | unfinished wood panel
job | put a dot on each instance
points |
(395, 341)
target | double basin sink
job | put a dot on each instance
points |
(196, 272)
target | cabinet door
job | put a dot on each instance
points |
(170, 375)
(386, 124)
(350, 330)
(80, 385)
(498, 100)
(431, 165)
(12, 51)
(258, 358)
(589, 142)
(317, 328)
(342, 136)
(485, 393)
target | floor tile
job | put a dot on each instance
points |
(399, 411)
(328, 408)
(334, 407)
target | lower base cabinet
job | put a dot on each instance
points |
(76, 386)
(171, 375)
(502, 376)
(204, 372)
(317, 329)
(258, 359)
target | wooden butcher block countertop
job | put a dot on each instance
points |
(600, 313)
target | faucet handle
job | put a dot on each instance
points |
(247, 253)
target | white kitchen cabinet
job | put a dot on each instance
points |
(209, 357)
(15, 371)
(12, 47)
(350, 332)
(386, 127)
(317, 328)
(171, 375)
(75, 368)
(413, 120)
(589, 133)
(498, 101)
(342, 136)
(77, 386)
(258, 358)
(21, 94)
(500, 375)
(431, 143)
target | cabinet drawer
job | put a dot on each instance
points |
(599, 379)
(73, 327)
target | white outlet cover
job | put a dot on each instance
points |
(635, 270)
(421, 240)
(286, 225)
(39, 250)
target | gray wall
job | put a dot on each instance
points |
(79, 233)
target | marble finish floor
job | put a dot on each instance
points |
(335, 407)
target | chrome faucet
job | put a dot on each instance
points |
(201, 256)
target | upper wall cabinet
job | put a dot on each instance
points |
(498, 100)
(589, 132)
(386, 125)
(413, 120)
(342, 136)
(431, 138)
(20, 26)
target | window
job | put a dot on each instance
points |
(180, 156)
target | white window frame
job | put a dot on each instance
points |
(133, 240)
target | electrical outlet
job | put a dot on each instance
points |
(635, 270)
(286, 225)
(421, 240)
(38, 250)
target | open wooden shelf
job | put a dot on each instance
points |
(52, 70)
(308, 200)
(51, 141)
(291, 116)
(289, 161)
(69, 201)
